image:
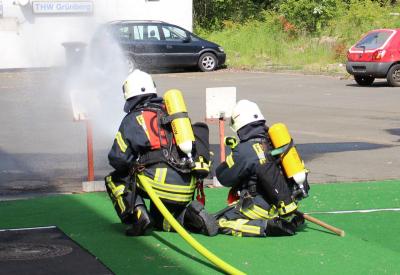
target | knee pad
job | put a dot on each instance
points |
(141, 221)
(197, 219)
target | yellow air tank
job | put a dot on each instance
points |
(291, 162)
(181, 126)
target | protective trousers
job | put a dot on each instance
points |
(193, 217)
(254, 217)
(118, 189)
(247, 218)
(132, 210)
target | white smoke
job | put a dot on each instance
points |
(95, 84)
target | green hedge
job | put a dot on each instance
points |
(296, 34)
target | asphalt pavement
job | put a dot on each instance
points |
(343, 132)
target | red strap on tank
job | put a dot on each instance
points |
(151, 121)
(201, 197)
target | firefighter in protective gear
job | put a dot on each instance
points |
(145, 149)
(261, 197)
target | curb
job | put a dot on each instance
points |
(93, 186)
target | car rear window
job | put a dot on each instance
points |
(373, 40)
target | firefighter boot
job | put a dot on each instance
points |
(298, 222)
(279, 227)
(196, 219)
(141, 222)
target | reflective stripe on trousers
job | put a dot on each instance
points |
(172, 192)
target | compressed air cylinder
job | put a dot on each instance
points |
(291, 162)
(181, 126)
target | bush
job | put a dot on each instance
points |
(359, 17)
(211, 14)
(301, 34)
(309, 15)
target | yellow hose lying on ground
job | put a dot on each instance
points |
(183, 233)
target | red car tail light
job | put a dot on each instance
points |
(378, 55)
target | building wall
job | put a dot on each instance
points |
(32, 32)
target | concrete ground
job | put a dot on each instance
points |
(343, 132)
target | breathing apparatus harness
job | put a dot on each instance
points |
(299, 191)
(277, 155)
(167, 152)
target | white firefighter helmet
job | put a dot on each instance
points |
(138, 83)
(243, 113)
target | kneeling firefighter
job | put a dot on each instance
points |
(157, 144)
(266, 176)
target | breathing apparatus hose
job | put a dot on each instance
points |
(183, 233)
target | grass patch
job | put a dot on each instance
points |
(275, 43)
(257, 46)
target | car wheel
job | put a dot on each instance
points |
(364, 80)
(393, 76)
(207, 62)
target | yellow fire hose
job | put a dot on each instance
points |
(183, 233)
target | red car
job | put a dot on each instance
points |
(376, 55)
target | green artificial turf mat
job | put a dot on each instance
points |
(371, 244)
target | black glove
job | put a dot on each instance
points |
(279, 227)
(231, 142)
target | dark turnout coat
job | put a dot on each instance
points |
(141, 133)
